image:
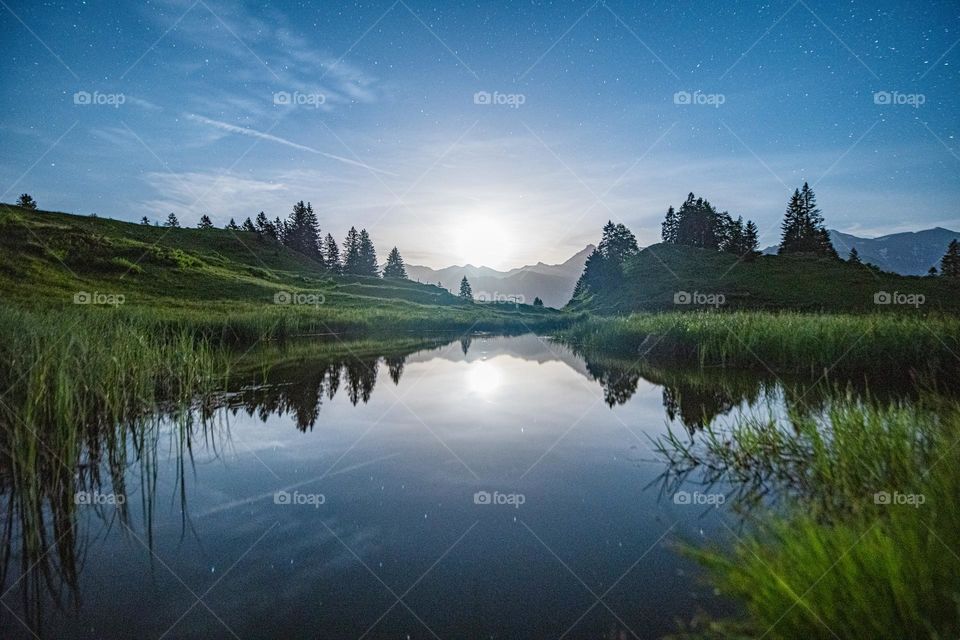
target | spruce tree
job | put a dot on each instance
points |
(172, 221)
(803, 228)
(248, 225)
(351, 252)
(395, 267)
(232, 225)
(466, 292)
(205, 222)
(792, 224)
(854, 256)
(751, 240)
(950, 263)
(537, 302)
(733, 241)
(26, 201)
(368, 256)
(932, 272)
(592, 277)
(331, 255)
(279, 227)
(668, 229)
(699, 224)
(301, 232)
(144, 220)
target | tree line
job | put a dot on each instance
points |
(301, 232)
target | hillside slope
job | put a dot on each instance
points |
(677, 278)
(49, 258)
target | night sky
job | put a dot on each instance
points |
(369, 110)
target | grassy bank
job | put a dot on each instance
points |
(783, 341)
(862, 539)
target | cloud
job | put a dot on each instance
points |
(253, 133)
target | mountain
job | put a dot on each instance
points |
(553, 283)
(911, 253)
(668, 277)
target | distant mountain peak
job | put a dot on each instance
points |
(909, 253)
(552, 283)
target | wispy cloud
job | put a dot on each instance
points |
(253, 133)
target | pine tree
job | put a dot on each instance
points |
(232, 225)
(172, 221)
(734, 238)
(395, 267)
(301, 232)
(279, 228)
(854, 257)
(26, 201)
(699, 224)
(331, 255)
(368, 256)
(932, 272)
(145, 221)
(537, 302)
(351, 252)
(791, 226)
(751, 240)
(803, 228)
(465, 291)
(248, 225)
(668, 229)
(592, 277)
(950, 263)
(265, 227)
(205, 222)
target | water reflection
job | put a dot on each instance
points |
(510, 412)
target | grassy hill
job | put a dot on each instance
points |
(216, 277)
(662, 271)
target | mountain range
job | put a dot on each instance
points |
(908, 253)
(552, 283)
(911, 253)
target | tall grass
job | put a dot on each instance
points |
(779, 341)
(834, 559)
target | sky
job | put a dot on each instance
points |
(485, 132)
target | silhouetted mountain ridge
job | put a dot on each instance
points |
(553, 283)
(909, 253)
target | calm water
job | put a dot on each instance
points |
(490, 488)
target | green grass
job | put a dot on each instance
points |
(779, 341)
(220, 281)
(827, 560)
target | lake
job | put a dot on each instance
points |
(486, 487)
